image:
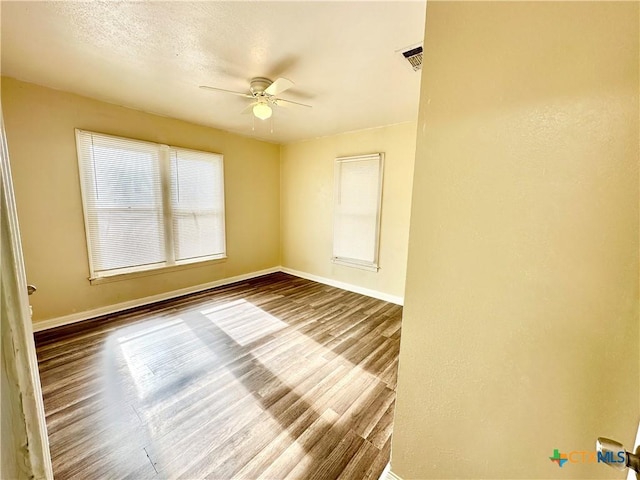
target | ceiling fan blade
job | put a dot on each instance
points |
(240, 94)
(279, 86)
(248, 108)
(279, 100)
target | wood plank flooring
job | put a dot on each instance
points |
(273, 378)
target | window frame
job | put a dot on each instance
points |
(170, 263)
(373, 266)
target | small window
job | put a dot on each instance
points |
(149, 205)
(357, 204)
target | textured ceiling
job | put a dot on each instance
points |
(153, 56)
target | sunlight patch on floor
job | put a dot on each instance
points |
(151, 355)
(243, 322)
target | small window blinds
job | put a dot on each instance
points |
(357, 203)
(197, 204)
(148, 205)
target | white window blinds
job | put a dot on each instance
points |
(357, 201)
(149, 205)
(197, 200)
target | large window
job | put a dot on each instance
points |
(357, 202)
(148, 205)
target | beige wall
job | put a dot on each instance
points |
(307, 204)
(40, 130)
(520, 330)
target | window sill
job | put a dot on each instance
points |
(362, 266)
(156, 271)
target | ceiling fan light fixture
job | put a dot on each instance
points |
(262, 111)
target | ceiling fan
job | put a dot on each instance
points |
(264, 94)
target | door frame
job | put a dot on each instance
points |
(14, 295)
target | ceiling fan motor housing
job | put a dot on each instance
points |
(259, 85)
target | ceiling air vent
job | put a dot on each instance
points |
(413, 55)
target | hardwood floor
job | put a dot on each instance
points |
(272, 378)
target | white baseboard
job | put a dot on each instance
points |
(118, 307)
(345, 286)
(387, 474)
(383, 475)
(391, 476)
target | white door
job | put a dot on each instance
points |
(23, 417)
(636, 449)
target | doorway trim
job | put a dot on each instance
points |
(15, 299)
